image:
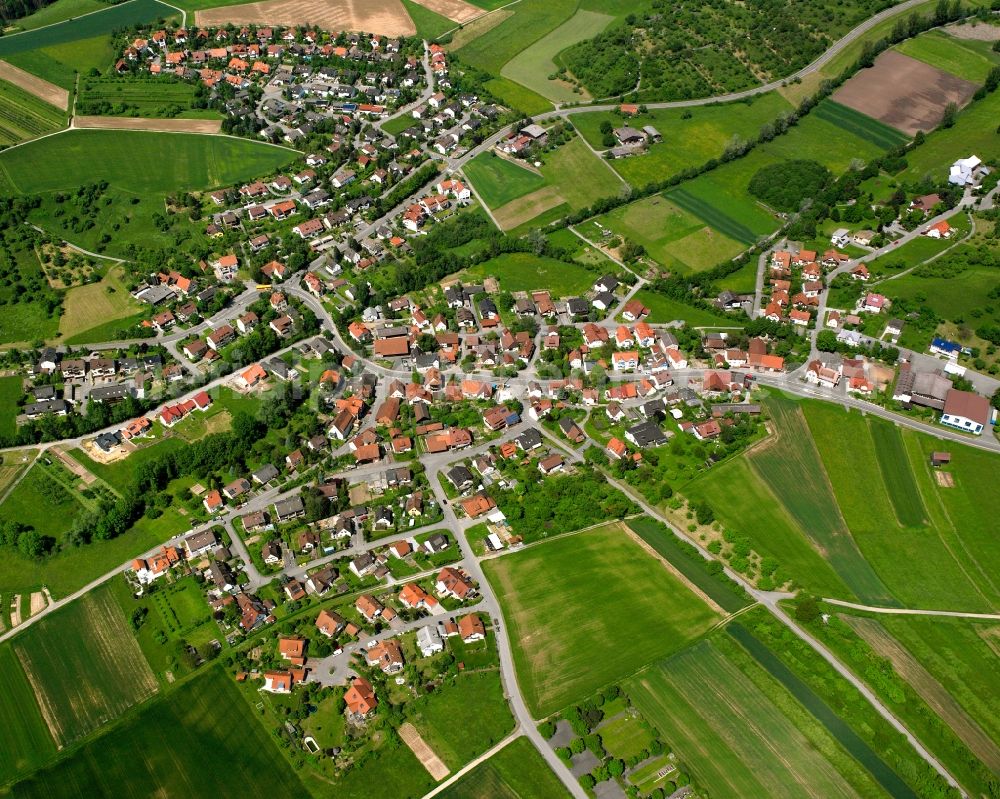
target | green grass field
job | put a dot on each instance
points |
(529, 23)
(27, 316)
(858, 124)
(23, 116)
(691, 136)
(666, 309)
(41, 502)
(673, 232)
(518, 271)
(126, 159)
(949, 562)
(533, 65)
(398, 125)
(583, 252)
(107, 300)
(208, 743)
(572, 177)
(791, 466)
(10, 392)
(463, 718)
(25, 738)
(85, 27)
(175, 612)
(897, 474)
(966, 59)
(580, 610)
(917, 251)
(974, 131)
(690, 563)
(497, 181)
(712, 215)
(85, 666)
(59, 63)
(393, 768)
(59, 11)
(73, 567)
(747, 504)
(519, 97)
(627, 736)
(961, 655)
(578, 175)
(429, 24)
(515, 772)
(949, 297)
(916, 698)
(731, 735)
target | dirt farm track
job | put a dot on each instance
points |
(387, 17)
(142, 123)
(455, 10)
(904, 93)
(49, 92)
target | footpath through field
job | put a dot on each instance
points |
(958, 614)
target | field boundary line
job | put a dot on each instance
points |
(19, 478)
(469, 22)
(956, 614)
(648, 549)
(72, 19)
(517, 733)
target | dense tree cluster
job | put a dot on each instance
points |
(546, 507)
(786, 185)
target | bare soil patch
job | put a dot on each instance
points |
(387, 17)
(526, 208)
(15, 610)
(42, 89)
(37, 602)
(430, 761)
(905, 93)
(359, 494)
(162, 125)
(945, 479)
(456, 10)
(983, 32)
(930, 690)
